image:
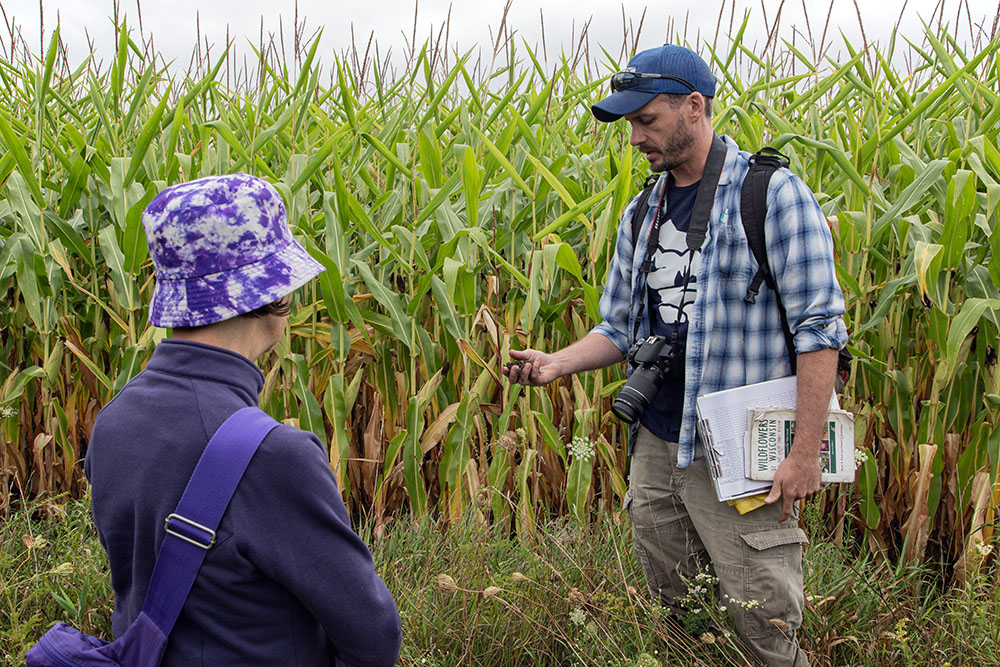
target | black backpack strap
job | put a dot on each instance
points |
(638, 215)
(642, 206)
(753, 211)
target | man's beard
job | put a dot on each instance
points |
(674, 150)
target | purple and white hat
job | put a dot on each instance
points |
(221, 247)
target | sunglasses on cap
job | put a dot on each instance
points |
(627, 80)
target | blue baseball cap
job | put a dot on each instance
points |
(665, 69)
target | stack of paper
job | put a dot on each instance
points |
(723, 426)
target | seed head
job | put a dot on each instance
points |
(491, 591)
(446, 583)
(63, 569)
(33, 542)
(518, 578)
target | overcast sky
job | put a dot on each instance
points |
(174, 23)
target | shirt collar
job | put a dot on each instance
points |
(732, 152)
(206, 362)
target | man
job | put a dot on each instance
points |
(287, 582)
(697, 299)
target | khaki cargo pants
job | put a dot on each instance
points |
(679, 527)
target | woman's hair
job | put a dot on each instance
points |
(281, 307)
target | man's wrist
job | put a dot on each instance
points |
(807, 449)
(557, 364)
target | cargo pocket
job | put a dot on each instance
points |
(776, 537)
(773, 584)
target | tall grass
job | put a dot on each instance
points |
(461, 211)
(566, 595)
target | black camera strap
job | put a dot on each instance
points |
(697, 228)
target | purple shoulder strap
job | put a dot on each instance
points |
(191, 528)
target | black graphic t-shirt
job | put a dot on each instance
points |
(664, 286)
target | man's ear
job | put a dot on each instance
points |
(696, 106)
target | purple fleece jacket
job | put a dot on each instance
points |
(288, 582)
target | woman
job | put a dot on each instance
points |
(287, 582)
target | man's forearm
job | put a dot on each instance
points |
(815, 378)
(590, 352)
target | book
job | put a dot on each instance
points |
(724, 433)
(772, 431)
(722, 428)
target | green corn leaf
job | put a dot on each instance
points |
(430, 158)
(129, 366)
(338, 409)
(471, 185)
(134, 248)
(927, 260)
(502, 160)
(21, 159)
(50, 59)
(413, 458)
(587, 204)
(445, 309)
(71, 238)
(315, 162)
(262, 139)
(303, 78)
(149, 130)
(115, 261)
(310, 415)
(13, 386)
(967, 318)
(388, 155)
(229, 137)
(402, 326)
(91, 366)
(526, 510)
(910, 196)
(28, 283)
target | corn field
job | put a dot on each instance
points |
(461, 213)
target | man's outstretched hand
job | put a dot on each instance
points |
(531, 367)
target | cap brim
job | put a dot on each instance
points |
(194, 302)
(616, 105)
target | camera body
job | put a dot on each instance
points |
(650, 359)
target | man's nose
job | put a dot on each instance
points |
(635, 136)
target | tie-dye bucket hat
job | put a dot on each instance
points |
(221, 247)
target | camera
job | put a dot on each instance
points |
(650, 358)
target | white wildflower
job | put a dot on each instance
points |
(577, 617)
(581, 448)
(860, 456)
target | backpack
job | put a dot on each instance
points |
(753, 211)
(190, 534)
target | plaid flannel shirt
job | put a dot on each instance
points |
(732, 343)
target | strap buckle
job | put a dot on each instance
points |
(751, 296)
(770, 157)
(206, 545)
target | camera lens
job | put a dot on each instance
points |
(628, 405)
(635, 396)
